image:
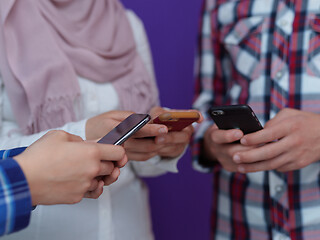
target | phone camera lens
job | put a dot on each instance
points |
(218, 112)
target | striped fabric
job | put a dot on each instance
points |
(15, 199)
(265, 53)
(11, 152)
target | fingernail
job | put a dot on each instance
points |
(160, 139)
(238, 135)
(162, 130)
(236, 158)
(241, 169)
(243, 141)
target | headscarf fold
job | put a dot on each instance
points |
(46, 44)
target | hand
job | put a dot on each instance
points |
(174, 143)
(61, 168)
(219, 145)
(142, 145)
(98, 126)
(154, 139)
(290, 141)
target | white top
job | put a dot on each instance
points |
(122, 211)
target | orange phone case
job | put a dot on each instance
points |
(176, 121)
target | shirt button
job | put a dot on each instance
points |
(283, 23)
(279, 74)
(283, 237)
(279, 188)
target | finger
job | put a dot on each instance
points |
(95, 193)
(112, 177)
(174, 138)
(122, 162)
(74, 138)
(172, 151)
(225, 136)
(200, 120)
(189, 130)
(293, 165)
(214, 127)
(156, 111)
(266, 135)
(111, 152)
(287, 167)
(265, 152)
(271, 164)
(94, 184)
(106, 168)
(282, 116)
(232, 148)
(151, 130)
(134, 156)
(142, 145)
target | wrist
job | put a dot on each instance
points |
(28, 172)
(207, 148)
(205, 158)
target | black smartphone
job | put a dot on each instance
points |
(125, 129)
(235, 116)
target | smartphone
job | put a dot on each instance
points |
(125, 129)
(235, 116)
(176, 121)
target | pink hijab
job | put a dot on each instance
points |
(46, 44)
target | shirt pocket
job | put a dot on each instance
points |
(313, 61)
(242, 40)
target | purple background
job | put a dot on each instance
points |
(180, 203)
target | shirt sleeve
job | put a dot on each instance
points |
(11, 152)
(14, 140)
(211, 81)
(156, 166)
(15, 198)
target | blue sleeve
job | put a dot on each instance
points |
(15, 198)
(11, 152)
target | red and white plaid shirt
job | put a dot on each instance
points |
(265, 53)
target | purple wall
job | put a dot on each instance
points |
(180, 202)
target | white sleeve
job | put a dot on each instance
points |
(12, 140)
(156, 166)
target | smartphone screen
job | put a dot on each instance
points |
(235, 116)
(125, 129)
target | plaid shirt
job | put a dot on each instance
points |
(265, 53)
(15, 199)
